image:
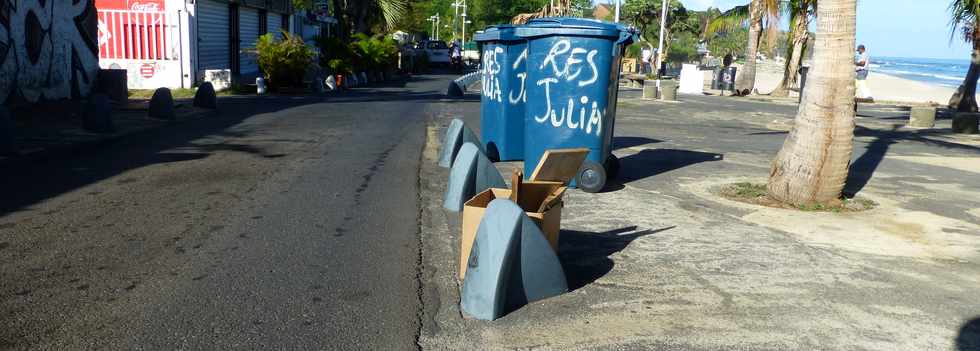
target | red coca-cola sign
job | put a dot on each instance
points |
(147, 70)
(131, 5)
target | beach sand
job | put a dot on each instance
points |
(883, 87)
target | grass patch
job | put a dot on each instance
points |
(756, 194)
(181, 93)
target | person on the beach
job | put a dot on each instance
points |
(645, 56)
(863, 62)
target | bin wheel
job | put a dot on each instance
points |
(492, 153)
(612, 166)
(591, 178)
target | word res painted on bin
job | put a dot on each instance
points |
(575, 67)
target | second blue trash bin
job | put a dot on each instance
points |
(572, 87)
(502, 104)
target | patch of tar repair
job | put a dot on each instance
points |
(887, 230)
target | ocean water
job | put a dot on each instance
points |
(944, 72)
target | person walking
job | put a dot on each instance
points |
(645, 56)
(863, 64)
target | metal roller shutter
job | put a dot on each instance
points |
(213, 49)
(249, 33)
(275, 23)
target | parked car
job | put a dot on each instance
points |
(438, 51)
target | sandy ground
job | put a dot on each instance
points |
(883, 88)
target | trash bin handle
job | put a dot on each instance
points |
(625, 37)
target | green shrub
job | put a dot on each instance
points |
(374, 53)
(335, 54)
(284, 61)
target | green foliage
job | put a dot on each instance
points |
(963, 19)
(363, 53)
(283, 60)
(335, 54)
(374, 53)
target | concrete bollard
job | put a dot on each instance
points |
(668, 90)
(330, 83)
(650, 89)
(113, 83)
(922, 117)
(454, 90)
(162, 105)
(472, 173)
(97, 114)
(7, 132)
(966, 123)
(364, 78)
(511, 264)
(456, 135)
(205, 97)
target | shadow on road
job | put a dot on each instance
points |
(626, 142)
(651, 162)
(26, 182)
(585, 255)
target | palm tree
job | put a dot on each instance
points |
(800, 14)
(966, 20)
(363, 15)
(760, 14)
(812, 165)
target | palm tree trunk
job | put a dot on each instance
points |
(968, 98)
(745, 79)
(795, 58)
(812, 166)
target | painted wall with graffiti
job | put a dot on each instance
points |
(48, 49)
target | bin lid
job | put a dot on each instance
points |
(559, 165)
(503, 32)
(571, 26)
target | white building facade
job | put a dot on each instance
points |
(171, 43)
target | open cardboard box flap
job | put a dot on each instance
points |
(559, 165)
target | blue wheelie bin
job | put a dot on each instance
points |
(572, 86)
(503, 96)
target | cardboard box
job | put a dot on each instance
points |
(540, 198)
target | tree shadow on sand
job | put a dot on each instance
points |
(968, 338)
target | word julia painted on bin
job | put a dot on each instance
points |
(567, 115)
(522, 94)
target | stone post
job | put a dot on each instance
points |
(922, 117)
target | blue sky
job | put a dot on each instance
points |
(904, 28)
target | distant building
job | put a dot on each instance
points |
(603, 12)
(171, 43)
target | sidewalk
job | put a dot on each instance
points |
(660, 261)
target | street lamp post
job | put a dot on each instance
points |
(663, 24)
(619, 3)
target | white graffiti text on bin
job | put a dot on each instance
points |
(491, 70)
(522, 75)
(570, 65)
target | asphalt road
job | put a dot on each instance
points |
(283, 223)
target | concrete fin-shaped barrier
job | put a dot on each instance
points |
(510, 264)
(456, 135)
(472, 173)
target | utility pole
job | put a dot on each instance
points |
(663, 25)
(619, 3)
